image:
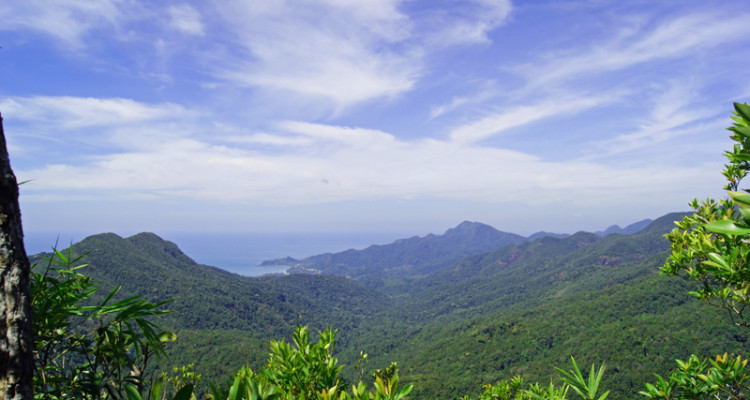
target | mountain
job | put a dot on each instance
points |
(525, 307)
(406, 258)
(542, 234)
(417, 257)
(628, 230)
(519, 308)
(220, 315)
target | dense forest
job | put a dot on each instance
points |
(516, 310)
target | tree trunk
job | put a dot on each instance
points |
(16, 356)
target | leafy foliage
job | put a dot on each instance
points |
(722, 378)
(711, 246)
(305, 371)
(587, 389)
(89, 351)
(514, 311)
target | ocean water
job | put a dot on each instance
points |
(240, 253)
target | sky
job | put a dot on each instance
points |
(405, 116)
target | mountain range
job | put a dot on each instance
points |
(417, 257)
(455, 311)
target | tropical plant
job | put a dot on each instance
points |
(88, 350)
(306, 370)
(588, 389)
(724, 377)
(506, 390)
(712, 247)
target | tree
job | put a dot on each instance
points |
(85, 349)
(16, 362)
(712, 247)
(306, 370)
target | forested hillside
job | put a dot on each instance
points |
(518, 309)
(224, 320)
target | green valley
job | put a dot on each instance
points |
(519, 309)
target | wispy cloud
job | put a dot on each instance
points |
(673, 113)
(289, 103)
(316, 163)
(470, 25)
(486, 92)
(635, 45)
(332, 51)
(186, 19)
(346, 52)
(499, 122)
(79, 112)
(69, 21)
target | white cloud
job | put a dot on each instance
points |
(66, 20)
(289, 61)
(186, 19)
(188, 170)
(344, 52)
(487, 91)
(469, 25)
(313, 163)
(673, 114)
(335, 51)
(78, 112)
(498, 123)
(269, 139)
(352, 137)
(678, 37)
(455, 103)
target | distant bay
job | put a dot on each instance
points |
(240, 253)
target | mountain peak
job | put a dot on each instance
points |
(665, 223)
(470, 227)
(154, 244)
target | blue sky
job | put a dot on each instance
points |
(366, 115)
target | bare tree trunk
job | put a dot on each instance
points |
(16, 356)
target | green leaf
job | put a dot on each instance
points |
(743, 110)
(167, 337)
(132, 392)
(741, 130)
(745, 212)
(156, 389)
(184, 393)
(727, 227)
(234, 389)
(738, 157)
(719, 260)
(742, 199)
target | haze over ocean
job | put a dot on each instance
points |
(240, 253)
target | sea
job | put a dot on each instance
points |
(240, 253)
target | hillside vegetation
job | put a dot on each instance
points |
(515, 310)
